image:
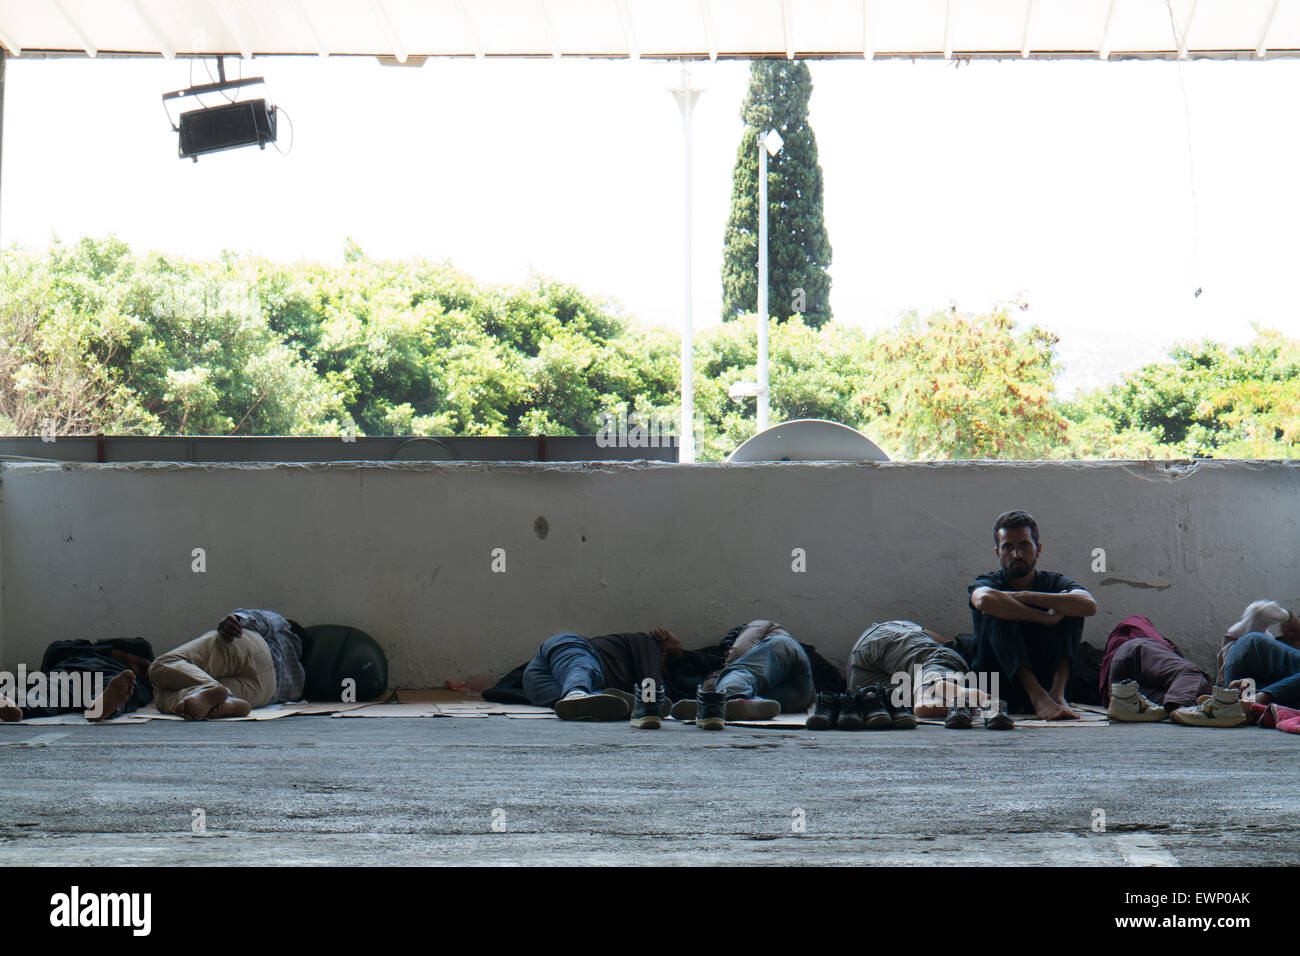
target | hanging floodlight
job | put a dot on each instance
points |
(232, 124)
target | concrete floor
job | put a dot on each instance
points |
(311, 790)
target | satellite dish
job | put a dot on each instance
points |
(809, 439)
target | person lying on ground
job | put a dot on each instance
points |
(899, 671)
(1028, 623)
(597, 678)
(1144, 677)
(766, 672)
(252, 659)
(122, 664)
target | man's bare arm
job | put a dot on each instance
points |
(1077, 603)
(1003, 606)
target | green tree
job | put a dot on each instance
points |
(958, 386)
(799, 250)
(1207, 401)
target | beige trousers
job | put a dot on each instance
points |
(242, 666)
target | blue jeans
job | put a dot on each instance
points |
(564, 662)
(775, 668)
(1271, 664)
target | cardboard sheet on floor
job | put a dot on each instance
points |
(414, 709)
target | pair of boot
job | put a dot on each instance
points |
(996, 716)
(871, 708)
(710, 710)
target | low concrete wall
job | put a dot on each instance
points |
(406, 550)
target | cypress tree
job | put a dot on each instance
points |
(799, 250)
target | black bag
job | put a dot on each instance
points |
(333, 653)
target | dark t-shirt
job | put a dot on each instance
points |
(1046, 582)
(627, 659)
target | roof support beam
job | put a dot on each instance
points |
(710, 35)
(390, 33)
(1187, 27)
(228, 18)
(787, 29)
(550, 29)
(8, 43)
(947, 30)
(168, 50)
(1103, 47)
(317, 43)
(86, 45)
(470, 29)
(1025, 49)
(629, 33)
(1268, 28)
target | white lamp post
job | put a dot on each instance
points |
(770, 144)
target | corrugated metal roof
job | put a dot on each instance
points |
(406, 29)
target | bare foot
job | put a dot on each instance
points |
(9, 711)
(200, 704)
(114, 696)
(1048, 708)
(230, 707)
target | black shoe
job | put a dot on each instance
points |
(900, 716)
(959, 718)
(824, 713)
(874, 712)
(646, 713)
(710, 709)
(848, 713)
(997, 718)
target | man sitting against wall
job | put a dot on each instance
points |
(1028, 623)
(252, 659)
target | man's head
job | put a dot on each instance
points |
(1015, 537)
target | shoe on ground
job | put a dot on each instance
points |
(1221, 709)
(624, 695)
(848, 712)
(874, 712)
(580, 705)
(1128, 703)
(825, 710)
(997, 717)
(710, 709)
(959, 718)
(752, 708)
(900, 716)
(646, 714)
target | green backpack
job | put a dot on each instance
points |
(333, 653)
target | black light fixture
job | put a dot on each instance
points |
(232, 124)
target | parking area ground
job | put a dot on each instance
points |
(494, 790)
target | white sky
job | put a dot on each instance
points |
(1066, 182)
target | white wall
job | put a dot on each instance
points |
(404, 550)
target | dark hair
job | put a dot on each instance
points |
(1016, 519)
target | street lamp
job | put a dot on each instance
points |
(769, 144)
